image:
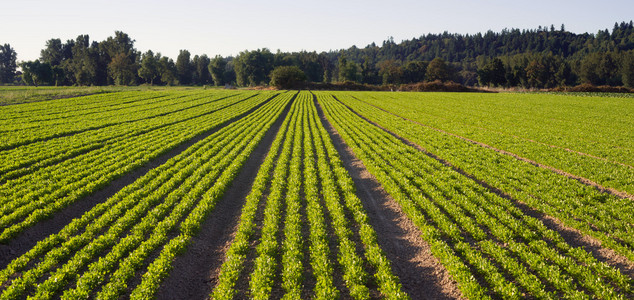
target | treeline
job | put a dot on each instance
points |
(542, 58)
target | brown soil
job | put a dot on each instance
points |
(583, 180)
(421, 274)
(196, 271)
(28, 238)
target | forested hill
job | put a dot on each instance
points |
(540, 58)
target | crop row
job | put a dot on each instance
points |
(304, 190)
(32, 156)
(586, 138)
(28, 131)
(487, 243)
(606, 217)
(30, 198)
(137, 232)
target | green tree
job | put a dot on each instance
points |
(149, 68)
(201, 70)
(84, 63)
(493, 73)
(348, 70)
(627, 69)
(217, 68)
(287, 77)
(414, 71)
(36, 73)
(184, 67)
(254, 67)
(120, 58)
(391, 71)
(8, 63)
(438, 70)
(167, 71)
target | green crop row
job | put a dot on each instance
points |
(123, 233)
(472, 230)
(603, 216)
(28, 199)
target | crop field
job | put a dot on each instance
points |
(237, 194)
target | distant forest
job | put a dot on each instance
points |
(545, 57)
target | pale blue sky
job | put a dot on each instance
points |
(228, 27)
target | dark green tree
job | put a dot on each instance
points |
(414, 71)
(8, 64)
(217, 68)
(287, 77)
(184, 67)
(493, 73)
(149, 68)
(36, 73)
(201, 70)
(167, 71)
(254, 67)
(627, 69)
(438, 70)
(348, 70)
(84, 64)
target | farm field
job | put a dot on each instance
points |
(234, 194)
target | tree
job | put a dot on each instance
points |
(217, 68)
(287, 77)
(493, 73)
(437, 70)
(184, 67)
(348, 70)
(391, 71)
(414, 71)
(201, 69)
(627, 69)
(36, 73)
(120, 57)
(122, 70)
(254, 67)
(167, 71)
(84, 63)
(149, 69)
(8, 63)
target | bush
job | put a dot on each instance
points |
(287, 77)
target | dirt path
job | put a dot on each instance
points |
(196, 271)
(583, 180)
(28, 238)
(420, 273)
(571, 235)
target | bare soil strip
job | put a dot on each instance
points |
(196, 271)
(28, 238)
(583, 180)
(571, 235)
(421, 274)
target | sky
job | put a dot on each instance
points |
(229, 27)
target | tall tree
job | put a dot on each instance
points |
(167, 70)
(8, 63)
(84, 64)
(36, 73)
(437, 70)
(201, 69)
(184, 67)
(253, 67)
(217, 68)
(149, 68)
(348, 70)
(121, 57)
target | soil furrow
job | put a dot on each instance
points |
(195, 272)
(421, 274)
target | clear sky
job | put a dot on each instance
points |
(228, 27)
